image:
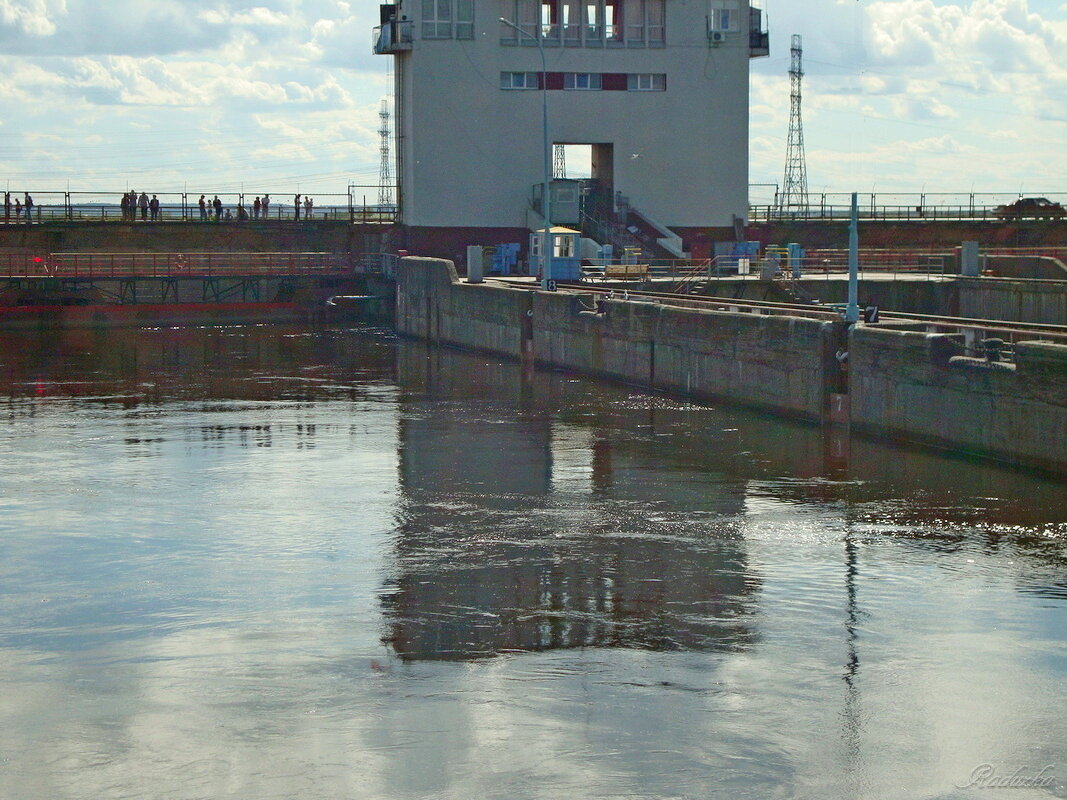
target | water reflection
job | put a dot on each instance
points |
(530, 532)
(280, 563)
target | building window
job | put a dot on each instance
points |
(613, 24)
(564, 194)
(572, 21)
(519, 80)
(646, 82)
(464, 19)
(644, 22)
(656, 16)
(635, 21)
(550, 20)
(594, 22)
(581, 80)
(436, 19)
(725, 15)
(529, 19)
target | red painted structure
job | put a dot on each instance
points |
(101, 289)
(126, 266)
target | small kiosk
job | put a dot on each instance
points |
(566, 253)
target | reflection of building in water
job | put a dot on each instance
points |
(235, 363)
(523, 533)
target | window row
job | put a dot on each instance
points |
(586, 81)
(585, 22)
(445, 19)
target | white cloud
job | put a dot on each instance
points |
(172, 88)
(892, 72)
(30, 17)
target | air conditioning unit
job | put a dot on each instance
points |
(716, 37)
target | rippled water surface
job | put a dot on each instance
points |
(272, 563)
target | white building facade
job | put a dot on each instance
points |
(658, 88)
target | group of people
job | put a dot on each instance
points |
(16, 209)
(213, 209)
(20, 208)
(309, 207)
(131, 202)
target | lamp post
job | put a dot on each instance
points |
(546, 192)
(852, 310)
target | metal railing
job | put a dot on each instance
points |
(98, 266)
(355, 206)
(919, 207)
(392, 36)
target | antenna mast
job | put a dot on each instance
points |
(559, 162)
(795, 185)
(385, 176)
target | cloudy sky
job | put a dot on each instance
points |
(900, 95)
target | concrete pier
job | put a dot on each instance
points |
(903, 383)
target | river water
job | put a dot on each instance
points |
(264, 562)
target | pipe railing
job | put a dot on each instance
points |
(90, 266)
(357, 205)
(897, 213)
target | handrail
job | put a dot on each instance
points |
(89, 266)
(357, 205)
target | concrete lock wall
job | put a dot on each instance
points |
(912, 385)
(1013, 299)
(773, 363)
(903, 383)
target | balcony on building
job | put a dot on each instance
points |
(759, 38)
(392, 35)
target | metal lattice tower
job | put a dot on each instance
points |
(795, 185)
(385, 176)
(559, 161)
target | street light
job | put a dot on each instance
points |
(852, 310)
(546, 193)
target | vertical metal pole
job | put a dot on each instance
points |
(546, 258)
(546, 191)
(852, 311)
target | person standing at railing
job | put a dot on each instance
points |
(256, 206)
(217, 205)
(153, 206)
(7, 207)
(142, 201)
(203, 209)
(18, 209)
(296, 207)
(266, 206)
(28, 206)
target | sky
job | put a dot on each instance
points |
(283, 95)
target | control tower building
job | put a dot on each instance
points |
(657, 89)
